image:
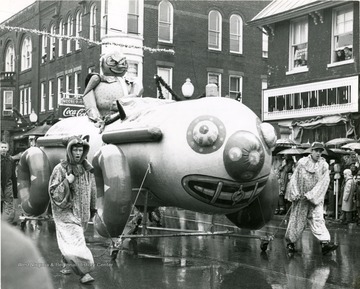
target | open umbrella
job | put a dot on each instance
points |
(285, 142)
(338, 142)
(291, 152)
(355, 146)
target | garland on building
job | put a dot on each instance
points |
(77, 38)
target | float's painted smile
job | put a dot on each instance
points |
(221, 192)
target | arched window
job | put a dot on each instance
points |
(26, 53)
(93, 12)
(52, 42)
(44, 40)
(10, 58)
(165, 22)
(236, 34)
(70, 31)
(214, 33)
(61, 32)
(78, 29)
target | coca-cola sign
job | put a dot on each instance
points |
(71, 111)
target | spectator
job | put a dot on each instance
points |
(348, 203)
(72, 194)
(9, 193)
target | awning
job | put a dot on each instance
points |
(38, 130)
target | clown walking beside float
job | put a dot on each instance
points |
(307, 188)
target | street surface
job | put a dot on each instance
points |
(203, 262)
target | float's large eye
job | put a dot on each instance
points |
(206, 134)
(244, 156)
(110, 61)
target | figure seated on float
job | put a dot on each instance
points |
(105, 93)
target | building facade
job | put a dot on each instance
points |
(313, 68)
(48, 49)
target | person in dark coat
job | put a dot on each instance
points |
(9, 192)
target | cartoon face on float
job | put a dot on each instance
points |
(114, 64)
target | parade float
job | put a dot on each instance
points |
(209, 155)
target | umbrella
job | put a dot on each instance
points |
(292, 152)
(353, 146)
(338, 142)
(285, 142)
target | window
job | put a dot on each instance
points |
(104, 20)
(342, 34)
(78, 29)
(166, 74)
(51, 94)
(10, 58)
(165, 22)
(59, 89)
(25, 100)
(133, 17)
(265, 44)
(52, 42)
(235, 86)
(68, 85)
(44, 47)
(26, 53)
(236, 31)
(299, 43)
(77, 84)
(133, 69)
(61, 32)
(70, 31)
(43, 96)
(214, 33)
(215, 78)
(8, 102)
(93, 12)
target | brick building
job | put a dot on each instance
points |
(313, 77)
(42, 74)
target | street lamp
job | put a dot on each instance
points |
(33, 117)
(187, 88)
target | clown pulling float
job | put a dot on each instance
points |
(210, 155)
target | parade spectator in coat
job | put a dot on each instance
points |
(348, 203)
(284, 171)
(306, 190)
(9, 192)
(73, 196)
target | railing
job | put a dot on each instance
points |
(7, 76)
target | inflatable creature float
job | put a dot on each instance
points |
(210, 155)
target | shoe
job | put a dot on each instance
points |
(65, 271)
(282, 212)
(328, 247)
(86, 279)
(291, 248)
(276, 212)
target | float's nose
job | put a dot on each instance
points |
(244, 156)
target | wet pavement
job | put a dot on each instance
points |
(203, 262)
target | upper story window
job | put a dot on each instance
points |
(215, 78)
(215, 28)
(298, 43)
(342, 33)
(44, 41)
(70, 31)
(10, 58)
(78, 29)
(61, 32)
(26, 53)
(236, 32)
(43, 96)
(235, 87)
(265, 44)
(51, 94)
(165, 22)
(8, 101)
(52, 42)
(104, 18)
(93, 12)
(166, 74)
(133, 16)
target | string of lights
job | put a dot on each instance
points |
(79, 38)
